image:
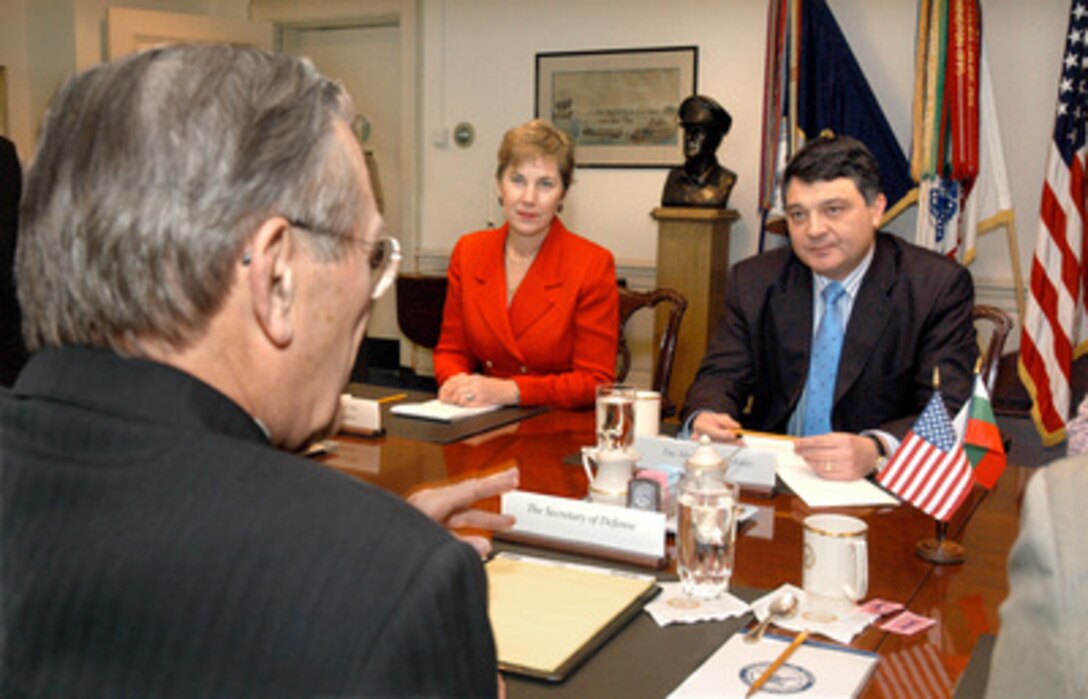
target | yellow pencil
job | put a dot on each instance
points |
(766, 435)
(773, 668)
(392, 398)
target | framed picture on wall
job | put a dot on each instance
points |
(619, 106)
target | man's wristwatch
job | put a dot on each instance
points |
(881, 453)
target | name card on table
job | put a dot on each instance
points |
(360, 415)
(752, 469)
(607, 531)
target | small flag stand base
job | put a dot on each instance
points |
(941, 550)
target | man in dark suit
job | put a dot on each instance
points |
(199, 253)
(12, 349)
(899, 312)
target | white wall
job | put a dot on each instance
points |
(43, 42)
(478, 66)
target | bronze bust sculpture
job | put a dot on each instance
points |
(701, 181)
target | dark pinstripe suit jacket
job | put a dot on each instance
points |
(155, 545)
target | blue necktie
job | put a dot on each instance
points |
(824, 364)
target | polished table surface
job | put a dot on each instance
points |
(962, 598)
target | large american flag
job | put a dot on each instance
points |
(929, 469)
(1055, 327)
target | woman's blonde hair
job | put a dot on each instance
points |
(535, 139)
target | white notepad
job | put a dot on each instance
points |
(439, 412)
(816, 491)
(814, 670)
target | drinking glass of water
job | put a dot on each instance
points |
(615, 416)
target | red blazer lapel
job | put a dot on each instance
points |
(489, 274)
(542, 285)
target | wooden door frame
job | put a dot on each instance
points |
(344, 14)
(130, 29)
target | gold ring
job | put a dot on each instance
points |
(827, 467)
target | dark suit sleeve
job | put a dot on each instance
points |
(728, 370)
(457, 657)
(946, 340)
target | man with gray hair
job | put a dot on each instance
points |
(199, 252)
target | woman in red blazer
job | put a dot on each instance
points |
(532, 310)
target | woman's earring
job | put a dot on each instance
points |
(247, 257)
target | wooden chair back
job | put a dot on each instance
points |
(632, 301)
(421, 299)
(993, 326)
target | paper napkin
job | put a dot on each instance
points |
(673, 606)
(839, 624)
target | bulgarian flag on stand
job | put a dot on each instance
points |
(981, 438)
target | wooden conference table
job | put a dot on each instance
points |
(962, 598)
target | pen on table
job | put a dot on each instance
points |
(390, 399)
(773, 668)
(741, 433)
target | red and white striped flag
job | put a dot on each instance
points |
(1055, 326)
(929, 469)
(916, 672)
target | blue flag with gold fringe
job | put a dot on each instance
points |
(813, 83)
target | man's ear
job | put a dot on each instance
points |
(876, 209)
(271, 282)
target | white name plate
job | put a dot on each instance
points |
(634, 531)
(748, 468)
(360, 415)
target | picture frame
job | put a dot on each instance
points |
(620, 106)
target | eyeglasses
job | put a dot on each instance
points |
(384, 259)
(384, 263)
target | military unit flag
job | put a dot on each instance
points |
(957, 156)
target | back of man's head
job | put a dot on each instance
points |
(152, 172)
(830, 157)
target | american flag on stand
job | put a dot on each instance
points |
(930, 469)
(1055, 327)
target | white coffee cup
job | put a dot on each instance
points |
(615, 468)
(836, 560)
(647, 413)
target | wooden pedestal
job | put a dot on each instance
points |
(692, 258)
